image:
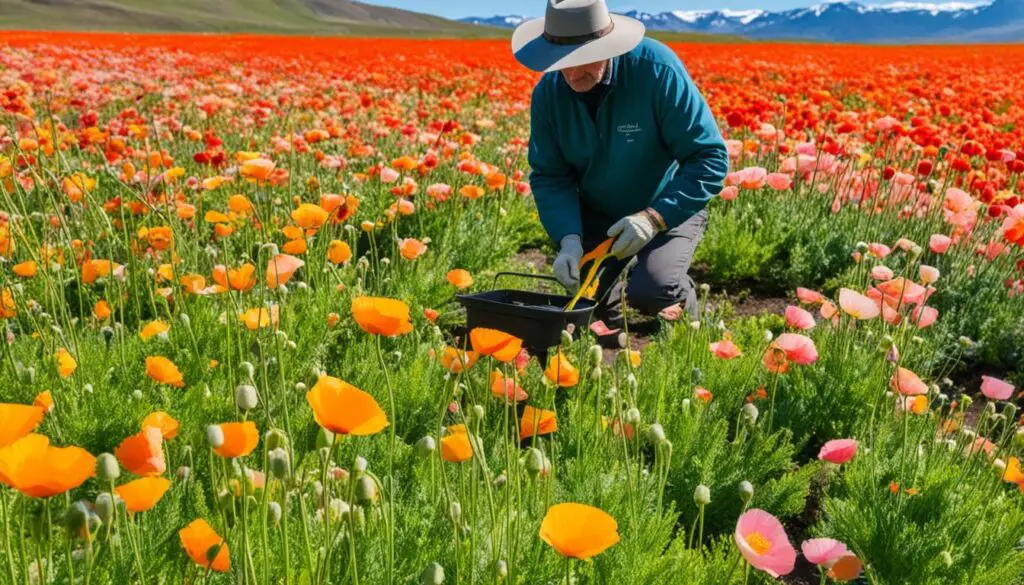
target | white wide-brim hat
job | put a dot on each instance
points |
(574, 32)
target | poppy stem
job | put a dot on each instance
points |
(7, 536)
(568, 571)
(392, 491)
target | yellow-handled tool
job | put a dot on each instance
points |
(598, 255)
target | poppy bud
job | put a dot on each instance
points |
(695, 325)
(225, 499)
(631, 381)
(276, 439)
(502, 569)
(749, 413)
(702, 495)
(77, 520)
(324, 438)
(104, 507)
(999, 466)
(534, 461)
(300, 387)
(279, 463)
(685, 405)
(862, 247)
(704, 288)
(621, 339)
(500, 480)
(1018, 437)
(455, 513)
(214, 436)
(246, 397)
(137, 394)
(26, 375)
(360, 464)
(768, 335)
(965, 342)
(990, 408)
(425, 446)
(185, 320)
(596, 355)
(566, 338)
(596, 373)
(107, 468)
(478, 412)
(633, 416)
(108, 335)
(946, 558)
(915, 252)
(274, 513)
(366, 491)
(248, 369)
(656, 434)
(746, 491)
(433, 574)
(183, 473)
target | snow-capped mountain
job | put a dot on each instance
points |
(509, 21)
(844, 20)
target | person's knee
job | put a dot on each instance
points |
(652, 290)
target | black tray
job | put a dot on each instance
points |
(536, 318)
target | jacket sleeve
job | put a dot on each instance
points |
(554, 186)
(689, 130)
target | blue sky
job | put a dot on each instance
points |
(462, 8)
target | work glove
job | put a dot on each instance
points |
(634, 232)
(567, 263)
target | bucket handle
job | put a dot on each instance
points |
(523, 275)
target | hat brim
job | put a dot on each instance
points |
(534, 52)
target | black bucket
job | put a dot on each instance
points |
(536, 318)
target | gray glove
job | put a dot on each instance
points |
(634, 232)
(567, 263)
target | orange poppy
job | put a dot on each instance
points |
(201, 544)
(539, 419)
(561, 372)
(242, 278)
(142, 494)
(472, 192)
(309, 216)
(411, 248)
(506, 388)
(18, 420)
(142, 453)
(240, 439)
(344, 409)
(39, 470)
(240, 204)
(44, 400)
(455, 360)
(497, 344)
(847, 568)
(460, 278)
(95, 269)
(8, 308)
(161, 420)
(26, 269)
(381, 316)
(154, 328)
(338, 252)
(280, 269)
(456, 446)
(578, 531)
(256, 169)
(260, 317)
(163, 370)
(101, 310)
(66, 364)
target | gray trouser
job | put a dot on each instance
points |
(659, 278)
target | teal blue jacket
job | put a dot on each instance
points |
(655, 144)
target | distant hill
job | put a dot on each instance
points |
(270, 16)
(843, 20)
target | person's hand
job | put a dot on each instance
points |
(634, 232)
(567, 263)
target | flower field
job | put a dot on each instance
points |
(233, 353)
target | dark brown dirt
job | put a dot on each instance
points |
(532, 257)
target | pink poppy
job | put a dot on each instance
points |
(924, 316)
(901, 291)
(798, 318)
(891, 315)
(280, 269)
(808, 296)
(823, 552)
(857, 305)
(763, 543)
(725, 349)
(388, 175)
(996, 389)
(928, 274)
(798, 348)
(904, 244)
(939, 243)
(439, 191)
(779, 181)
(878, 250)
(753, 177)
(881, 272)
(730, 193)
(829, 310)
(907, 383)
(838, 451)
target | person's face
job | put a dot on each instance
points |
(584, 77)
